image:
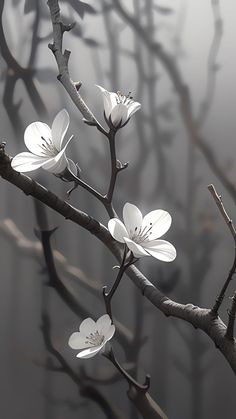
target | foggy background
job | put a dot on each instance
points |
(190, 379)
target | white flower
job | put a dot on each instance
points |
(141, 233)
(92, 336)
(118, 107)
(46, 146)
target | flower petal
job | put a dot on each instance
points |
(117, 230)
(110, 332)
(159, 221)
(87, 326)
(161, 249)
(132, 217)
(59, 127)
(90, 352)
(77, 341)
(137, 250)
(33, 137)
(58, 163)
(103, 324)
(119, 114)
(109, 100)
(26, 162)
(134, 107)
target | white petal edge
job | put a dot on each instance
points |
(161, 249)
(160, 221)
(59, 128)
(132, 217)
(27, 162)
(134, 107)
(90, 352)
(117, 230)
(110, 332)
(137, 250)
(109, 100)
(33, 137)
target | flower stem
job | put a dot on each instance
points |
(124, 265)
(116, 166)
(131, 381)
(221, 296)
(232, 314)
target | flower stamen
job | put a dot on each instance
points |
(48, 147)
(142, 235)
(94, 339)
(124, 99)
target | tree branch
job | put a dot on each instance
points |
(62, 60)
(198, 317)
(138, 393)
(218, 200)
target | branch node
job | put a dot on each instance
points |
(67, 28)
(66, 55)
(52, 47)
(78, 85)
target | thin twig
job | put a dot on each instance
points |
(138, 393)
(108, 295)
(62, 59)
(109, 354)
(232, 314)
(72, 88)
(218, 200)
(219, 203)
(116, 166)
(67, 295)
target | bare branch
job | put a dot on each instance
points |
(198, 317)
(218, 200)
(62, 59)
(126, 262)
(138, 393)
(232, 314)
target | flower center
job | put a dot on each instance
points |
(94, 339)
(48, 147)
(124, 99)
(140, 234)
